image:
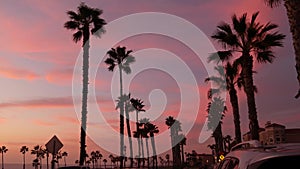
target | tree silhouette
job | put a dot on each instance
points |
(3, 150)
(39, 152)
(23, 150)
(293, 13)
(226, 81)
(128, 108)
(64, 154)
(139, 107)
(85, 22)
(120, 57)
(104, 161)
(216, 109)
(152, 129)
(144, 134)
(175, 127)
(251, 40)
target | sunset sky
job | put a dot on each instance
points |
(38, 59)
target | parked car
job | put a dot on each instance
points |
(74, 167)
(280, 156)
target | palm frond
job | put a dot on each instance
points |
(72, 25)
(265, 56)
(77, 36)
(73, 15)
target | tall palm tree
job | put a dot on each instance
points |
(128, 108)
(65, 154)
(168, 159)
(293, 13)
(226, 81)
(23, 150)
(139, 107)
(175, 127)
(85, 22)
(144, 134)
(122, 58)
(216, 109)
(182, 144)
(39, 152)
(252, 40)
(3, 150)
(153, 129)
(104, 161)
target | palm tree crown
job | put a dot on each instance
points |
(83, 20)
(121, 57)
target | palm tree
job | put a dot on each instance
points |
(139, 107)
(253, 41)
(23, 150)
(153, 129)
(293, 13)
(35, 163)
(3, 150)
(40, 153)
(104, 161)
(175, 127)
(64, 154)
(120, 57)
(128, 108)
(226, 81)
(144, 134)
(98, 157)
(168, 159)
(85, 22)
(182, 144)
(227, 143)
(216, 109)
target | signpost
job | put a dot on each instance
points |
(53, 146)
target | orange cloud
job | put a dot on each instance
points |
(44, 123)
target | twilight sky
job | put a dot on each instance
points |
(38, 60)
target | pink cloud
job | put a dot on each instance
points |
(67, 119)
(15, 73)
(41, 103)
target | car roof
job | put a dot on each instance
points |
(255, 154)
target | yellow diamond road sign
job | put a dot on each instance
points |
(54, 145)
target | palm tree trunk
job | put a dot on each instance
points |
(182, 153)
(247, 74)
(236, 114)
(24, 161)
(143, 154)
(85, 82)
(121, 119)
(147, 148)
(129, 136)
(153, 150)
(2, 161)
(138, 138)
(293, 13)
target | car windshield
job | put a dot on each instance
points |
(290, 162)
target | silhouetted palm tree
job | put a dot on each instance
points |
(104, 162)
(293, 13)
(3, 150)
(153, 129)
(85, 22)
(23, 150)
(175, 127)
(216, 109)
(39, 152)
(168, 159)
(251, 40)
(139, 107)
(182, 144)
(226, 81)
(36, 163)
(144, 134)
(64, 154)
(128, 108)
(227, 143)
(120, 57)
